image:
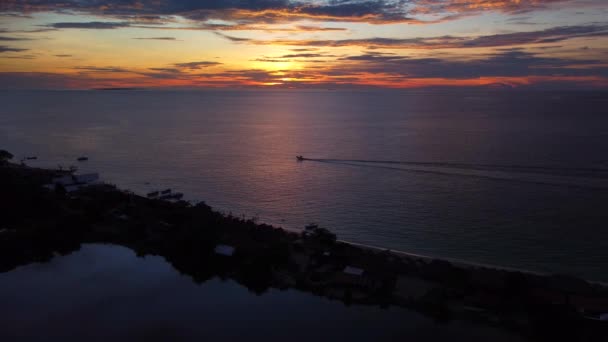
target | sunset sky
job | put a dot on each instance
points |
(82, 44)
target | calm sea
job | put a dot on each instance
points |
(509, 178)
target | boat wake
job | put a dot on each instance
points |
(596, 178)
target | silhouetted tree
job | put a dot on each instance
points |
(324, 236)
(5, 156)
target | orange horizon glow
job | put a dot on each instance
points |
(307, 44)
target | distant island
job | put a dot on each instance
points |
(49, 212)
(116, 88)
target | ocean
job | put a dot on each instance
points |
(516, 179)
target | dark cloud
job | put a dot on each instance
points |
(38, 30)
(12, 39)
(21, 57)
(468, 7)
(263, 10)
(246, 12)
(63, 55)
(549, 47)
(196, 65)
(101, 69)
(272, 11)
(207, 26)
(231, 38)
(96, 25)
(4, 48)
(551, 35)
(168, 70)
(306, 55)
(503, 64)
(15, 15)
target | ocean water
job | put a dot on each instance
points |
(103, 293)
(509, 178)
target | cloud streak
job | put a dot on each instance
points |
(276, 11)
(302, 43)
(197, 65)
(93, 25)
(370, 69)
(12, 39)
(4, 48)
(551, 35)
(156, 38)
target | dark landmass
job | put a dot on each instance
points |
(116, 88)
(38, 223)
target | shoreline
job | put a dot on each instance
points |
(203, 243)
(455, 261)
(528, 264)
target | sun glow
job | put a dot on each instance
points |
(294, 48)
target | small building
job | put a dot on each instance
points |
(64, 180)
(86, 178)
(355, 271)
(72, 188)
(224, 250)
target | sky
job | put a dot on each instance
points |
(84, 44)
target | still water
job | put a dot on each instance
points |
(509, 178)
(103, 293)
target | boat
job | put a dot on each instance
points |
(81, 159)
(152, 194)
(87, 178)
(300, 158)
(165, 192)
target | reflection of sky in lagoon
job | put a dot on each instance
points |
(106, 292)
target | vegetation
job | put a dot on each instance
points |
(5, 156)
(38, 223)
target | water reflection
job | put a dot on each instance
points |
(106, 292)
(235, 150)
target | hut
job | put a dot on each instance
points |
(224, 250)
(354, 271)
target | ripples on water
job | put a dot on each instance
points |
(507, 178)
